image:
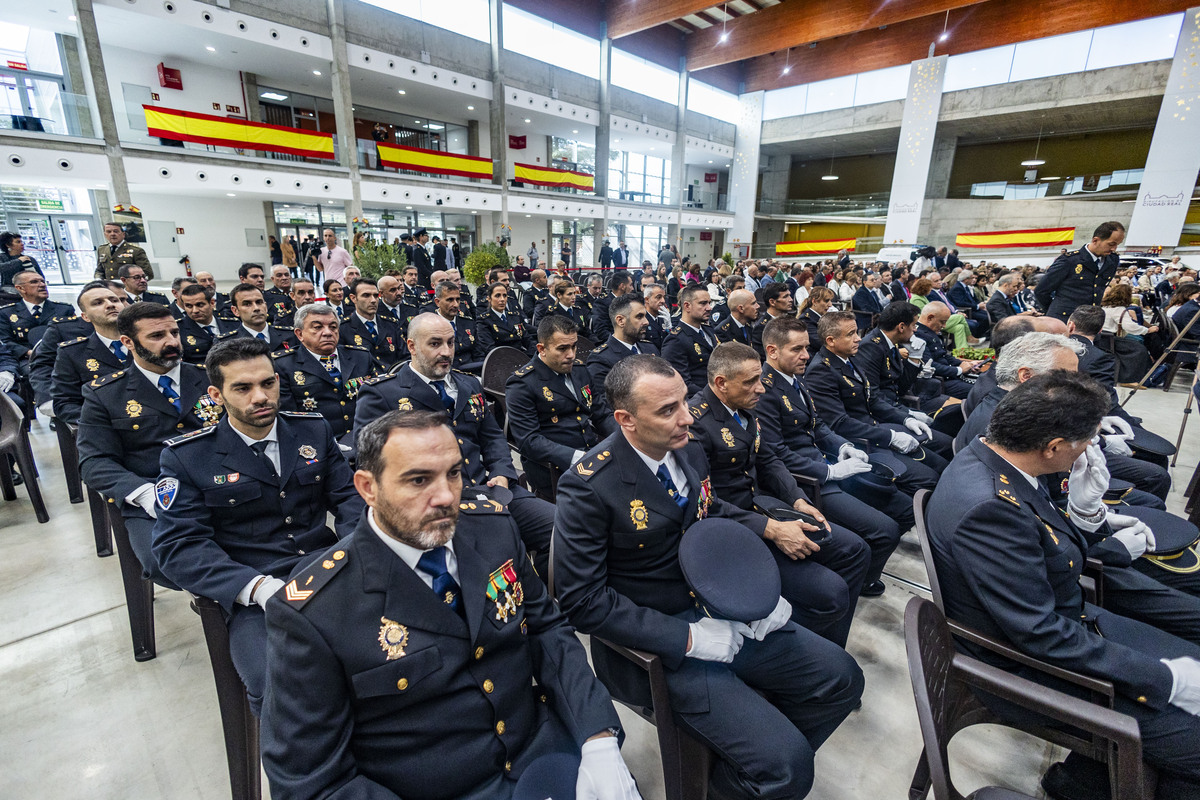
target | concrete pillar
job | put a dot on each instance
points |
(775, 179)
(253, 106)
(497, 109)
(678, 157)
(1174, 159)
(343, 113)
(918, 125)
(603, 143)
(743, 179)
(269, 220)
(74, 70)
(940, 167)
(473, 139)
(108, 121)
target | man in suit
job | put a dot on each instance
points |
(466, 629)
(84, 359)
(248, 306)
(606, 256)
(177, 286)
(629, 323)
(1080, 278)
(468, 351)
(136, 280)
(821, 582)
(22, 323)
(792, 428)
(937, 358)
(601, 325)
(365, 327)
(883, 357)
(553, 415)
(1009, 562)
(869, 298)
(689, 344)
(278, 294)
(657, 315)
(440, 255)
(119, 253)
(128, 415)
(1003, 303)
(620, 257)
(855, 410)
(321, 375)
(201, 327)
(428, 382)
(242, 503)
(621, 513)
(563, 304)
(536, 294)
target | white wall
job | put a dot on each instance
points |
(536, 150)
(691, 245)
(526, 230)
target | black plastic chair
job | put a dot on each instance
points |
(139, 591)
(555, 472)
(14, 444)
(500, 363)
(70, 460)
(98, 507)
(584, 347)
(239, 724)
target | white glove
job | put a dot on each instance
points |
(927, 370)
(602, 772)
(1117, 435)
(921, 415)
(916, 348)
(773, 621)
(263, 593)
(143, 497)
(844, 469)
(46, 409)
(850, 451)
(1116, 425)
(918, 426)
(903, 442)
(716, 639)
(1116, 445)
(1125, 528)
(1088, 482)
(1185, 683)
(7, 379)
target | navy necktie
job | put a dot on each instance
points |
(433, 563)
(447, 400)
(261, 335)
(738, 419)
(164, 383)
(634, 349)
(260, 449)
(371, 329)
(664, 477)
(119, 351)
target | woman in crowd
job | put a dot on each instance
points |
(1121, 320)
(692, 275)
(13, 258)
(814, 307)
(334, 294)
(660, 275)
(674, 284)
(715, 290)
(847, 286)
(1184, 306)
(805, 279)
(496, 327)
(289, 255)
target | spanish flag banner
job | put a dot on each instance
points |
(1042, 237)
(814, 247)
(563, 178)
(434, 162)
(188, 126)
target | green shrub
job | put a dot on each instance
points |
(486, 256)
(374, 258)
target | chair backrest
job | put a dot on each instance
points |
(12, 424)
(920, 504)
(394, 368)
(584, 347)
(499, 364)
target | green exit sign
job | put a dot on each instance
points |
(297, 221)
(387, 216)
(49, 205)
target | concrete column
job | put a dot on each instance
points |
(918, 125)
(473, 138)
(253, 106)
(343, 113)
(73, 68)
(1174, 159)
(108, 121)
(743, 178)
(776, 175)
(678, 157)
(269, 220)
(940, 166)
(603, 143)
(497, 109)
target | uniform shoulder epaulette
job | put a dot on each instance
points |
(601, 348)
(354, 347)
(521, 372)
(281, 353)
(387, 376)
(7, 306)
(226, 335)
(188, 436)
(587, 467)
(302, 414)
(69, 318)
(1004, 489)
(299, 590)
(193, 366)
(482, 505)
(70, 342)
(96, 384)
(767, 379)
(579, 363)
(283, 328)
(675, 331)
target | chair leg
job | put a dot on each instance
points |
(921, 782)
(24, 456)
(101, 529)
(6, 482)
(70, 460)
(139, 593)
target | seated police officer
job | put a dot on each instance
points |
(536, 294)
(247, 304)
(738, 325)
(63, 328)
(128, 415)
(412, 293)
(852, 407)
(553, 415)
(1009, 562)
(468, 352)
(365, 327)
(403, 659)
(23, 322)
(822, 582)
(319, 374)
(764, 699)
(177, 286)
(242, 503)
(883, 357)
(777, 303)
(689, 344)
(660, 321)
(135, 280)
(499, 325)
(629, 324)
(278, 294)
(83, 360)
(792, 427)
(563, 304)
(936, 358)
(620, 284)
(200, 326)
(428, 382)
(303, 292)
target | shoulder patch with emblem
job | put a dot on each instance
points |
(302, 414)
(587, 467)
(523, 371)
(96, 384)
(299, 590)
(379, 379)
(189, 436)
(73, 341)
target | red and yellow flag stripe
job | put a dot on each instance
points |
(1041, 237)
(545, 176)
(189, 126)
(434, 162)
(814, 247)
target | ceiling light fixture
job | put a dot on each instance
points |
(401, 91)
(787, 61)
(945, 26)
(725, 13)
(831, 175)
(470, 108)
(317, 72)
(1035, 161)
(210, 48)
(230, 194)
(528, 120)
(273, 96)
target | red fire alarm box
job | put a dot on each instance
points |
(169, 78)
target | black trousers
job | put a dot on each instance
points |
(248, 649)
(535, 521)
(1139, 594)
(1144, 475)
(824, 587)
(880, 531)
(139, 526)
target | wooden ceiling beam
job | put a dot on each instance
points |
(630, 16)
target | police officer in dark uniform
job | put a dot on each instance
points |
(601, 323)
(41, 363)
(364, 327)
(278, 295)
(822, 583)
(689, 344)
(944, 365)
(83, 360)
(499, 326)
(177, 286)
(136, 279)
(622, 511)
(790, 425)
(629, 324)
(536, 294)
(563, 304)
(419, 256)
(1080, 278)
(129, 414)
(738, 324)
(586, 299)
(553, 416)
(242, 503)
(468, 350)
(883, 358)
(852, 408)
(428, 383)
(201, 326)
(246, 303)
(656, 332)
(319, 374)
(22, 323)
(777, 302)
(423, 631)
(412, 293)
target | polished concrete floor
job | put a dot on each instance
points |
(79, 718)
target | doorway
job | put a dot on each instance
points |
(63, 244)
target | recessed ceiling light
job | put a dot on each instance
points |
(470, 108)
(401, 91)
(529, 215)
(230, 194)
(317, 72)
(433, 126)
(710, 162)
(417, 121)
(72, 18)
(273, 96)
(726, 166)
(210, 48)
(527, 120)
(574, 131)
(408, 208)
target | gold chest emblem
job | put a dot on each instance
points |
(727, 437)
(357, 340)
(298, 378)
(92, 365)
(392, 638)
(787, 404)
(404, 404)
(639, 514)
(133, 408)
(191, 340)
(546, 393)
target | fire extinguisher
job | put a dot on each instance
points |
(187, 265)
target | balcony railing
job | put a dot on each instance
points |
(875, 205)
(57, 114)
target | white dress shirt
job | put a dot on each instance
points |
(673, 468)
(411, 555)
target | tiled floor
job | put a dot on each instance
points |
(79, 718)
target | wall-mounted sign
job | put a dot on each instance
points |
(233, 109)
(710, 177)
(516, 142)
(154, 96)
(297, 221)
(706, 236)
(169, 78)
(178, 231)
(49, 205)
(387, 216)
(18, 65)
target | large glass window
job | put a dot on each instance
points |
(575, 156)
(545, 41)
(644, 242)
(468, 17)
(644, 77)
(712, 102)
(643, 178)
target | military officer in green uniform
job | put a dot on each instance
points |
(118, 253)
